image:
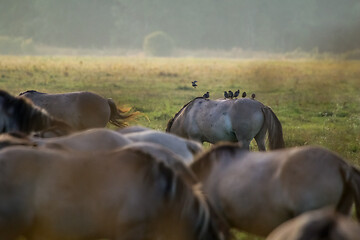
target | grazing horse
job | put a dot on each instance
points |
(81, 110)
(20, 115)
(238, 120)
(317, 225)
(183, 147)
(120, 195)
(257, 191)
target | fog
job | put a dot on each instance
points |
(256, 25)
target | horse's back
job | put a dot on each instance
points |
(317, 225)
(54, 194)
(219, 120)
(91, 140)
(80, 109)
(289, 181)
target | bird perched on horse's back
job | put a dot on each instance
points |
(236, 94)
(206, 95)
(244, 94)
(231, 94)
(226, 95)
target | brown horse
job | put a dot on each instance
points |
(257, 191)
(19, 114)
(90, 140)
(317, 225)
(233, 120)
(124, 194)
(81, 110)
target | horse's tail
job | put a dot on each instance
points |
(355, 186)
(118, 116)
(275, 133)
(351, 192)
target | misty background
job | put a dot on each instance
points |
(257, 25)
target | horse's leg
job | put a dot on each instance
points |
(260, 139)
(244, 144)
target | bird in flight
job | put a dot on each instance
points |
(194, 84)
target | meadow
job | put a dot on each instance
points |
(317, 101)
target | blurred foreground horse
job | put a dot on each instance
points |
(317, 225)
(183, 147)
(20, 114)
(81, 110)
(238, 120)
(257, 191)
(124, 195)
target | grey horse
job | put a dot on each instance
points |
(238, 120)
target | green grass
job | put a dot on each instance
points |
(317, 101)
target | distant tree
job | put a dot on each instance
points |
(159, 44)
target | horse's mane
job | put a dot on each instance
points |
(30, 91)
(204, 162)
(28, 116)
(171, 121)
(177, 189)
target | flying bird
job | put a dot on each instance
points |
(194, 84)
(253, 96)
(231, 94)
(244, 94)
(206, 95)
(236, 94)
(226, 95)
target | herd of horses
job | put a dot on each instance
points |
(64, 176)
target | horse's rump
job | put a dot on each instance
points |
(287, 180)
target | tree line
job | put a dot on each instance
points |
(266, 25)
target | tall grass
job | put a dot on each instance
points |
(317, 101)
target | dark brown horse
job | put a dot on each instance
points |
(81, 110)
(122, 195)
(19, 114)
(257, 191)
(233, 120)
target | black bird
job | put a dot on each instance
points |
(231, 94)
(194, 84)
(226, 95)
(236, 94)
(253, 96)
(244, 94)
(206, 95)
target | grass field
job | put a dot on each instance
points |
(317, 101)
